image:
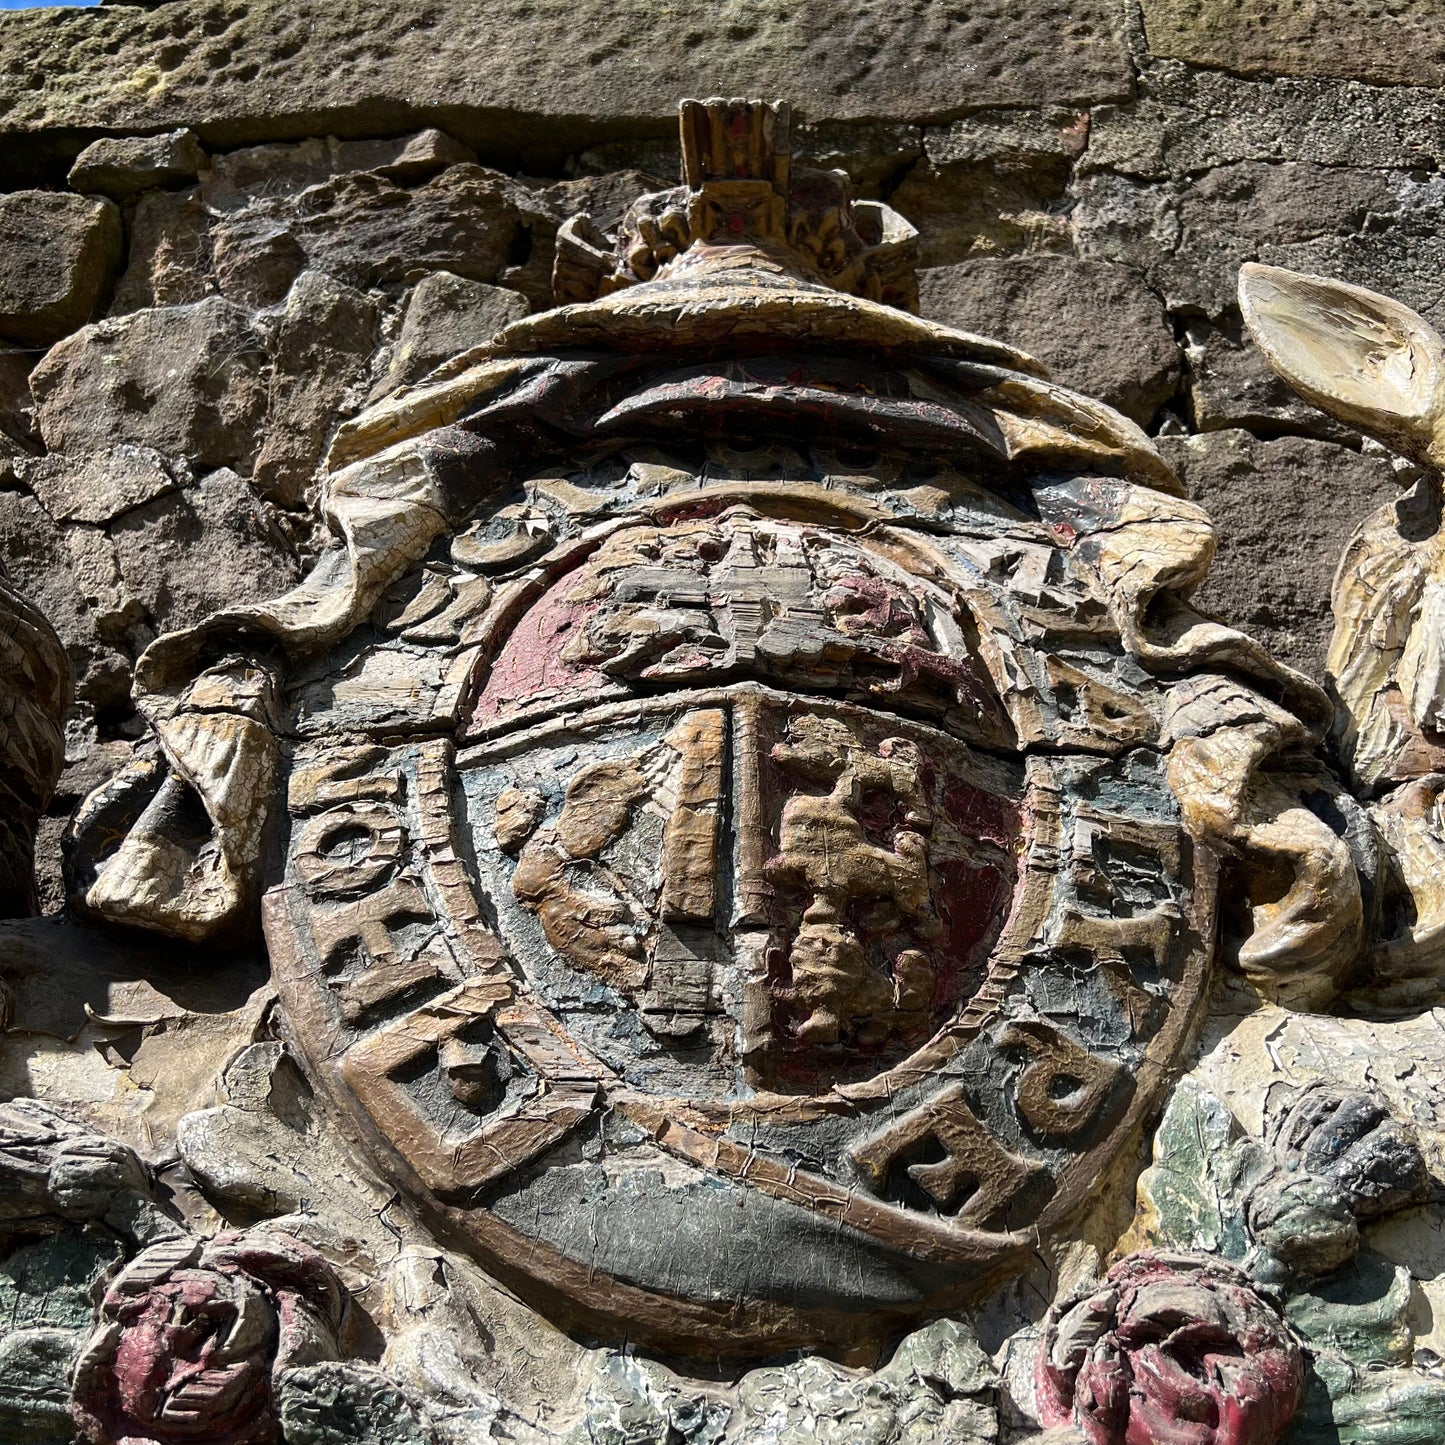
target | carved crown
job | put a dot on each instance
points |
(741, 195)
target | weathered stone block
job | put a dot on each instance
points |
(406, 159)
(256, 260)
(123, 166)
(39, 563)
(604, 196)
(1009, 138)
(1097, 327)
(368, 231)
(17, 407)
(873, 154)
(170, 253)
(1284, 510)
(548, 76)
(322, 345)
(58, 254)
(115, 614)
(1399, 251)
(1230, 384)
(1187, 121)
(188, 554)
(1190, 237)
(99, 487)
(993, 182)
(1287, 202)
(1392, 42)
(241, 176)
(446, 315)
(186, 380)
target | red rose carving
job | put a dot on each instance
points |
(191, 1334)
(1169, 1349)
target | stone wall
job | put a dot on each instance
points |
(226, 226)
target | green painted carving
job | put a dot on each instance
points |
(1347, 1405)
(47, 1293)
(1362, 1387)
(35, 1386)
(1195, 1196)
(1214, 1190)
(938, 1386)
(56, 1280)
(632, 1403)
(1358, 1312)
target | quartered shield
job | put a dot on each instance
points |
(720, 975)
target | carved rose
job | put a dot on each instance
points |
(1169, 1349)
(191, 1336)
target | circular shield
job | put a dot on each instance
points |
(751, 773)
(752, 969)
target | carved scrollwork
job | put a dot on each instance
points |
(35, 687)
(1377, 365)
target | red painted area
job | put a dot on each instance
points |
(191, 1338)
(972, 900)
(989, 817)
(866, 605)
(1169, 1349)
(530, 666)
(173, 1357)
(175, 1379)
(700, 608)
(971, 892)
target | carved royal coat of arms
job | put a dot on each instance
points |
(739, 812)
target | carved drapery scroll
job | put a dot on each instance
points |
(1378, 366)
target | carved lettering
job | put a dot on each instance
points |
(1064, 1090)
(362, 940)
(348, 850)
(798, 741)
(343, 775)
(976, 1180)
(561, 1094)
